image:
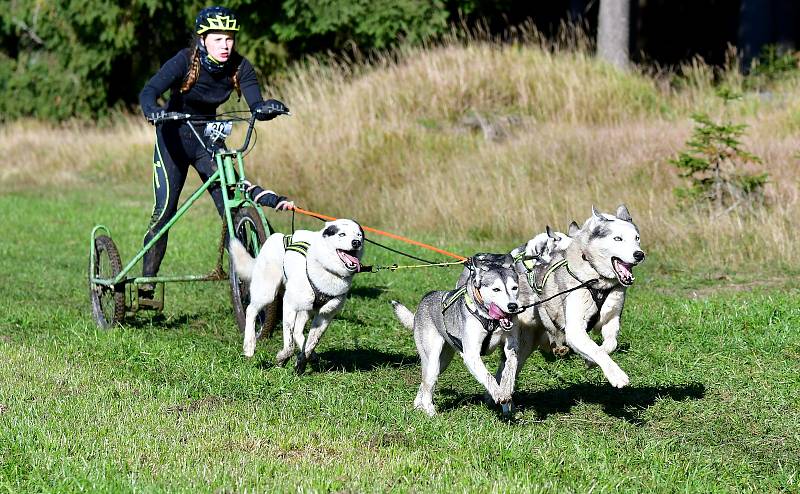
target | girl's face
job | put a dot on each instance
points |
(219, 45)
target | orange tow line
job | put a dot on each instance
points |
(385, 234)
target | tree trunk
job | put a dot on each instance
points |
(613, 31)
(755, 26)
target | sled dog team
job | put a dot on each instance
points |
(548, 293)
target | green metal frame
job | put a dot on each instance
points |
(226, 175)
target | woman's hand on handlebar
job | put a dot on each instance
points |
(269, 109)
(160, 116)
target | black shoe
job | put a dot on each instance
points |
(147, 300)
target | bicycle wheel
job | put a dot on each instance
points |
(249, 230)
(108, 302)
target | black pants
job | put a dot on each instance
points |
(176, 149)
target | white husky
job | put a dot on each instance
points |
(581, 288)
(314, 269)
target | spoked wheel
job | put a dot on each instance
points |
(249, 230)
(108, 302)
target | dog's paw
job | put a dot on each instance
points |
(249, 348)
(507, 408)
(609, 345)
(425, 404)
(300, 365)
(505, 396)
(616, 376)
(561, 351)
(283, 356)
(428, 408)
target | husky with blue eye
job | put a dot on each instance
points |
(582, 288)
(313, 270)
(472, 321)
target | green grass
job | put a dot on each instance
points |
(166, 403)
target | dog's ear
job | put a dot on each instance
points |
(598, 215)
(623, 214)
(573, 229)
(479, 266)
(549, 232)
(473, 270)
(508, 261)
(330, 230)
(480, 262)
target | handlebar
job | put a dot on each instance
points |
(186, 117)
(170, 116)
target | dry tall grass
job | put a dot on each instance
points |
(393, 143)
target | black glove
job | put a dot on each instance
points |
(267, 110)
(155, 115)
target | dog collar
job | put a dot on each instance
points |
(469, 301)
(488, 324)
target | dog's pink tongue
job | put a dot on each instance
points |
(496, 313)
(350, 258)
(623, 268)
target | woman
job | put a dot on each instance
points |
(200, 78)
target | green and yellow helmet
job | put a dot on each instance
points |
(215, 19)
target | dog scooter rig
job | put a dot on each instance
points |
(113, 292)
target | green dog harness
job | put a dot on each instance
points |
(320, 297)
(598, 296)
(489, 325)
(300, 247)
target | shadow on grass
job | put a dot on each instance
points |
(158, 320)
(626, 404)
(549, 357)
(367, 291)
(362, 359)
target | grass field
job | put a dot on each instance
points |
(166, 403)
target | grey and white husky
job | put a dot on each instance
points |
(472, 320)
(582, 287)
(535, 252)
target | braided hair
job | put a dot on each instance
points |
(194, 70)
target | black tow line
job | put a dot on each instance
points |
(585, 284)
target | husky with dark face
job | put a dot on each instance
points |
(472, 320)
(313, 269)
(583, 288)
(535, 252)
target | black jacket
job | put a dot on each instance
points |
(209, 90)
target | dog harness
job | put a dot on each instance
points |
(320, 297)
(489, 325)
(598, 295)
(299, 246)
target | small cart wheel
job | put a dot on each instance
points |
(249, 230)
(108, 302)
